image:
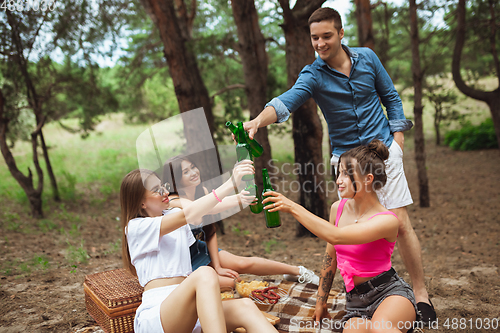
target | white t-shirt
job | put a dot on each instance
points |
(158, 257)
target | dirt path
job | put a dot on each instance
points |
(459, 235)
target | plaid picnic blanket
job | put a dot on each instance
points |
(296, 310)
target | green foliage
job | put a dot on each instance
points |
(11, 221)
(36, 88)
(15, 266)
(114, 247)
(238, 231)
(477, 58)
(471, 137)
(76, 255)
(443, 100)
(67, 185)
(142, 79)
(273, 245)
(392, 40)
(46, 225)
(147, 93)
(84, 96)
(32, 80)
(109, 155)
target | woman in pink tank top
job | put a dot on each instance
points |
(360, 240)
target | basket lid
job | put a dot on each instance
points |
(115, 288)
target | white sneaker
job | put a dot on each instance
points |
(305, 276)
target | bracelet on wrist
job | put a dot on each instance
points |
(216, 197)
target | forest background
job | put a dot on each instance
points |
(68, 123)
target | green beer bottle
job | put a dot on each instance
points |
(272, 219)
(255, 148)
(257, 208)
(243, 150)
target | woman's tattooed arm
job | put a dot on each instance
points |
(326, 277)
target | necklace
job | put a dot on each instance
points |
(356, 220)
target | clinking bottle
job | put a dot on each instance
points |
(256, 208)
(255, 148)
(243, 151)
(272, 219)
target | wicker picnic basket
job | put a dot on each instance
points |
(111, 298)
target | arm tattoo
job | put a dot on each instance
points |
(323, 299)
(326, 285)
(327, 261)
(327, 282)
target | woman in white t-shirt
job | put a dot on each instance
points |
(156, 249)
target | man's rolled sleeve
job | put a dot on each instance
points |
(400, 125)
(282, 111)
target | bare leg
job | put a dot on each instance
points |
(255, 265)
(244, 313)
(411, 253)
(394, 314)
(198, 296)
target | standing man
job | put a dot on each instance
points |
(349, 85)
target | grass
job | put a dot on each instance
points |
(273, 245)
(101, 160)
(474, 111)
(77, 255)
(25, 267)
(114, 247)
(46, 225)
(238, 231)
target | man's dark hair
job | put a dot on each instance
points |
(326, 14)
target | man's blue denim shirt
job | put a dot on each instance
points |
(351, 105)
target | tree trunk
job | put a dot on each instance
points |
(34, 196)
(26, 182)
(492, 98)
(252, 49)
(50, 172)
(437, 122)
(418, 75)
(382, 47)
(365, 24)
(494, 104)
(191, 92)
(307, 129)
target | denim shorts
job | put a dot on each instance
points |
(364, 305)
(199, 254)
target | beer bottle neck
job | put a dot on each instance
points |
(231, 127)
(265, 179)
(240, 135)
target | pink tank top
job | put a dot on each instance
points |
(364, 260)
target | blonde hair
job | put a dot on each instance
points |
(132, 192)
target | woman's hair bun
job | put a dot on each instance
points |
(379, 148)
